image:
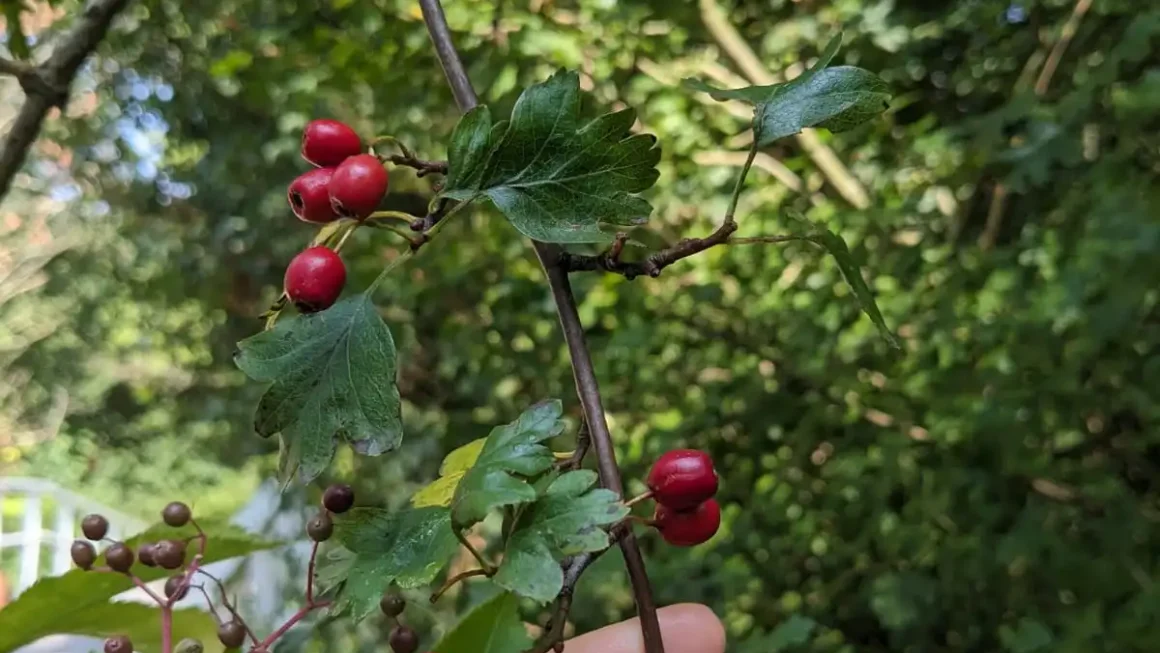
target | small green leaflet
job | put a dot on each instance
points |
(408, 548)
(333, 376)
(492, 627)
(837, 248)
(555, 179)
(511, 451)
(837, 99)
(441, 491)
(565, 521)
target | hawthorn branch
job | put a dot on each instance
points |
(553, 636)
(47, 85)
(587, 387)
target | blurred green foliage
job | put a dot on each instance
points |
(992, 487)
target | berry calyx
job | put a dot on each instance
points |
(403, 640)
(314, 279)
(145, 555)
(358, 185)
(118, 644)
(174, 589)
(95, 527)
(169, 554)
(328, 142)
(232, 634)
(691, 527)
(309, 196)
(320, 527)
(338, 498)
(120, 557)
(83, 554)
(176, 514)
(682, 479)
(392, 605)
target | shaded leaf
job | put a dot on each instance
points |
(553, 178)
(455, 465)
(141, 623)
(471, 144)
(511, 451)
(492, 627)
(565, 521)
(794, 631)
(333, 377)
(408, 548)
(834, 244)
(17, 42)
(1029, 636)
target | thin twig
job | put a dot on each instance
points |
(586, 384)
(553, 636)
(583, 444)
(458, 578)
(47, 85)
(423, 166)
(1065, 36)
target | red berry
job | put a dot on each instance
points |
(358, 185)
(689, 528)
(329, 142)
(314, 279)
(309, 196)
(682, 479)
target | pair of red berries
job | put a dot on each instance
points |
(684, 482)
(347, 182)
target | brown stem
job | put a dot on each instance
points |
(586, 385)
(583, 444)
(458, 578)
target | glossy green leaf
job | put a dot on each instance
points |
(565, 521)
(471, 144)
(555, 179)
(140, 622)
(408, 548)
(512, 452)
(851, 271)
(492, 627)
(333, 378)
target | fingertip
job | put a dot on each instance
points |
(691, 628)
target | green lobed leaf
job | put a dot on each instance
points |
(408, 548)
(492, 627)
(441, 491)
(553, 178)
(39, 611)
(333, 376)
(512, 451)
(837, 248)
(565, 521)
(837, 99)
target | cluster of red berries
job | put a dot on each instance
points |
(684, 482)
(346, 183)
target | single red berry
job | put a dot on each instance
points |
(120, 557)
(174, 589)
(176, 514)
(169, 554)
(118, 644)
(691, 527)
(682, 479)
(321, 527)
(314, 279)
(358, 185)
(309, 196)
(95, 527)
(328, 142)
(232, 634)
(83, 554)
(338, 498)
(145, 555)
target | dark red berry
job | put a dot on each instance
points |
(174, 589)
(329, 142)
(169, 554)
(176, 514)
(392, 605)
(145, 555)
(95, 527)
(83, 554)
(321, 527)
(403, 640)
(358, 185)
(338, 498)
(688, 528)
(119, 557)
(314, 279)
(309, 196)
(682, 479)
(232, 634)
(118, 644)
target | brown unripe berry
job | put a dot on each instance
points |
(232, 634)
(338, 498)
(169, 554)
(83, 554)
(403, 640)
(145, 555)
(176, 514)
(392, 605)
(118, 644)
(320, 527)
(174, 589)
(120, 557)
(95, 527)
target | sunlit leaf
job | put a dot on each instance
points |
(492, 627)
(441, 491)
